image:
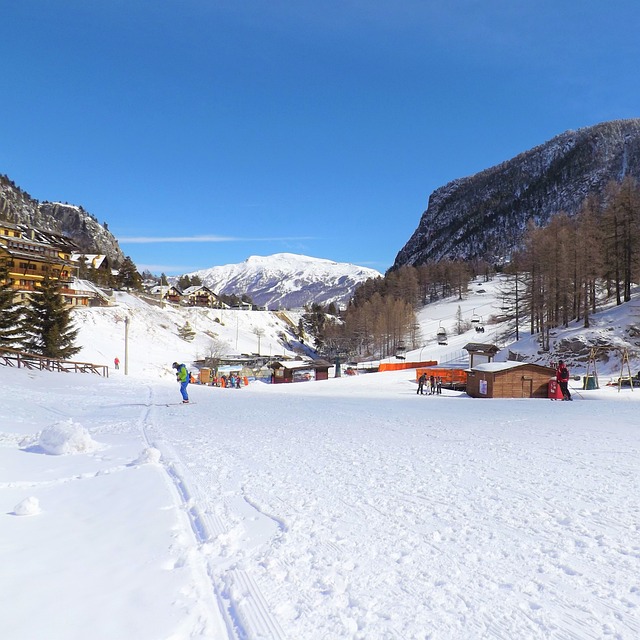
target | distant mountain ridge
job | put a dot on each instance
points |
(17, 206)
(287, 280)
(485, 215)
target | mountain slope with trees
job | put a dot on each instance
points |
(485, 216)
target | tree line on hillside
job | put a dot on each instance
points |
(560, 274)
(380, 319)
(566, 268)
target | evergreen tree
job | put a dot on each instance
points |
(186, 332)
(47, 323)
(128, 276)
(10, 312)
(83, 268)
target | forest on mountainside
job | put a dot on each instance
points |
(568, 267)
(561, 274)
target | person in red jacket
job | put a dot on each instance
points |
(562, 376)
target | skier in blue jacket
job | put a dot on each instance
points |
(182, 376)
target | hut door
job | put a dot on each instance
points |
(527, 388)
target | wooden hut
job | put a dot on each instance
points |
(298, 370)
(509, 380)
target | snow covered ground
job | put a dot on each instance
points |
(347, 508)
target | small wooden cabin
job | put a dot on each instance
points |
(298, 370)
(509, 380)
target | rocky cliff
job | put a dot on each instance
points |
(16, 205)
(485, 215)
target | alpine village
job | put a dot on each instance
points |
(558, 225)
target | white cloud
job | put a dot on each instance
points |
(207, 238)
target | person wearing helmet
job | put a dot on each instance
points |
(182, 376)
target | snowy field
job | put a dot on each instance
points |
(350, 508)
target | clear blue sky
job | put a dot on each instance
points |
(215, 130)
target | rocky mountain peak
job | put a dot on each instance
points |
(16, 205)
(485, 215)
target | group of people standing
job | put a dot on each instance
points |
(434, 385)
(232, 381)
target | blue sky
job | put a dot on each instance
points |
(205, 131)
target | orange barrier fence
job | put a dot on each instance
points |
(398, 366)
(451, 377)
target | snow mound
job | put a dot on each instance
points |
(66, 437)
(151, 455)
(28, 507)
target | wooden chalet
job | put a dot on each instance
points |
(97, 263)
(509, 380)
(172, 294)
(201, 296)
(84, 293)
(298, 370)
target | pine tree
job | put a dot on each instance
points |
(186, 332)
(47, 323)
(128, 276)
(10, 312)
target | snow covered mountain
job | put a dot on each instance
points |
(287, 280)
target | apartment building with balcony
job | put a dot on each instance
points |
(33, 254)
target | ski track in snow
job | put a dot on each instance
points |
(278, 544)
(239, 599)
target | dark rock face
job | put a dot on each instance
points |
(72, 221)
(485, 215)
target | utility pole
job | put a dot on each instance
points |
(126, 345)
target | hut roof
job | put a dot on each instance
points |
(495, 367)
(479, 347)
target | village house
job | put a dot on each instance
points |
(171, 293)
(201, 296)
(98, 265)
